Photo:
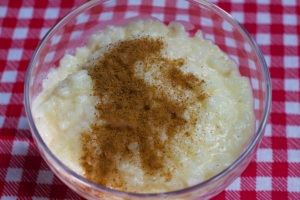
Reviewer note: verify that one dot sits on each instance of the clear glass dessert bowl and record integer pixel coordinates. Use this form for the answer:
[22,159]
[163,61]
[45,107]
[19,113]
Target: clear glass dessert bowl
[74,30]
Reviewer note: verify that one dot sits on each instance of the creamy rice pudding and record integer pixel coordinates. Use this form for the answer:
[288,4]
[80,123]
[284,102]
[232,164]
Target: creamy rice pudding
[145,108]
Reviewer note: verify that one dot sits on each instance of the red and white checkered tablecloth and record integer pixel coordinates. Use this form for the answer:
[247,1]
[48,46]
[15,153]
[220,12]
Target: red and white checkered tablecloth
[274,173]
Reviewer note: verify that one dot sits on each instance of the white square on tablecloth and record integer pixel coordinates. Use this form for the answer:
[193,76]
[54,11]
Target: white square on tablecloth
[3,11]
[5,98]
[291,61]
[1,121]
[289,2]
[20,148]
[210,37]
[23,123]
[266,2]
[105,16]
[159,3]
[291,85]
[292,108]
[239,16]
[130,14]
[256,104]
[134,2]
[293,131]
[235,185]
[51,13]
[230,42]
[75,34]
[43,32]
[14,54]
[268,130]
[49,56]
[206,22]
[9,76]
[25,13]
[182,4]
[226,26]
[235,58]
[264,155]
[159,16]
[293,155]
[55,39]
[263,18]
[20,33]
[9,198]
[268,60]
[289,19]
[182,17]
[40,198]
[251,64]
[45,177]
[82,18]
[111,3]
[254,82]
[263,183]
[290,39]
[263,39]
[247,47]
[237,1]
[293,184]
[14,174]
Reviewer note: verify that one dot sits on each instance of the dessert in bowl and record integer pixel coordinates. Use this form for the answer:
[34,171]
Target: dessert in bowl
[182,127]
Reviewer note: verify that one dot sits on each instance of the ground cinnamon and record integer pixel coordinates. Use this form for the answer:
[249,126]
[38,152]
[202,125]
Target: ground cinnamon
[133,114]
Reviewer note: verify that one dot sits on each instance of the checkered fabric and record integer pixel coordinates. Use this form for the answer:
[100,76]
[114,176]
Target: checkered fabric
[273,173]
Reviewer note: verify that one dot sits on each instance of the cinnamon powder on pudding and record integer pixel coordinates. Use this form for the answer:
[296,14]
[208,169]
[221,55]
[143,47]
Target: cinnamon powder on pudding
[135,120]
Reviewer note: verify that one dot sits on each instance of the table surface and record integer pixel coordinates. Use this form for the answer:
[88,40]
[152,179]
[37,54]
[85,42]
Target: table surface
[274,172]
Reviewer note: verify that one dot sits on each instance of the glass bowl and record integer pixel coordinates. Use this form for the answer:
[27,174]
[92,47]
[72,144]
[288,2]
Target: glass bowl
[73,30]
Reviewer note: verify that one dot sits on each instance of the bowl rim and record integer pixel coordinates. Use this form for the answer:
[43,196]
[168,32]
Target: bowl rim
[250,148]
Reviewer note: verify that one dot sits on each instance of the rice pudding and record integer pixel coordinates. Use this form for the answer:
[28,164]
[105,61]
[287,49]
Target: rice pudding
[144,108]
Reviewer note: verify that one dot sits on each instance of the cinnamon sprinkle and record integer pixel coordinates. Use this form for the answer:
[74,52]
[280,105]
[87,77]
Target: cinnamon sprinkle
[134,113]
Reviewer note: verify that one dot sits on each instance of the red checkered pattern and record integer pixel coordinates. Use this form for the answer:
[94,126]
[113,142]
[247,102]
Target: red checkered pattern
[273,173]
